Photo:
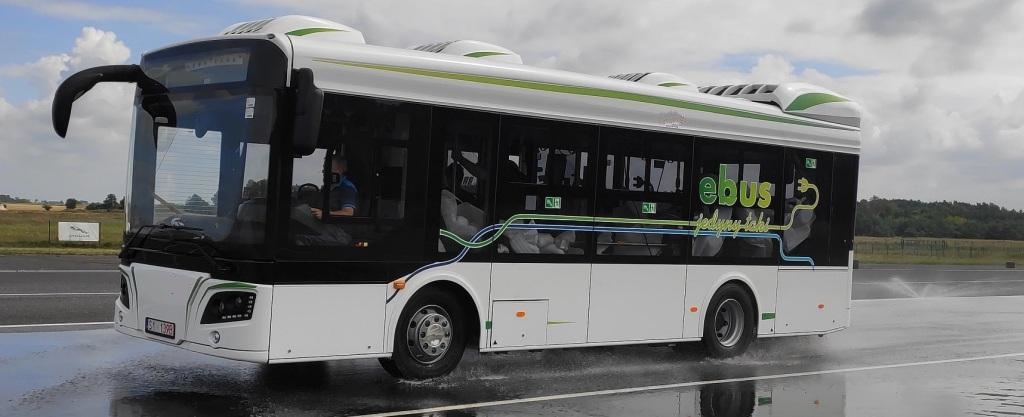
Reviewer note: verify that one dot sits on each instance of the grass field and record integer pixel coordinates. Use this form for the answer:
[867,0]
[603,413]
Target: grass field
[895,250]
[32,230]
[31,207]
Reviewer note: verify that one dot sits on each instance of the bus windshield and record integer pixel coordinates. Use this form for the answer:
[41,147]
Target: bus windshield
[201,149]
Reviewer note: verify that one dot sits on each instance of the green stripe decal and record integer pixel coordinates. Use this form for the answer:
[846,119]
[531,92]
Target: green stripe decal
[482,54]
[234,285]
[585,91]
[767,316]
[306,31]
[808,100]
[672,84]
[559,322]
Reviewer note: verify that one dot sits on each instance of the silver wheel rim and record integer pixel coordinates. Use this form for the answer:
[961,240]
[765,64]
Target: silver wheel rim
[429,334]
[729,322]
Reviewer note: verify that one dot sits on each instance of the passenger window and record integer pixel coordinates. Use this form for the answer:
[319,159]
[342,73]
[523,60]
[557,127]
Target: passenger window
[358,188]
[469,139]
[806,209]
[645,181]
[736,203]
[545,168]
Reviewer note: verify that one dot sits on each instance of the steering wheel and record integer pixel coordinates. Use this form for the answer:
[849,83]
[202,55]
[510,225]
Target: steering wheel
[305,196]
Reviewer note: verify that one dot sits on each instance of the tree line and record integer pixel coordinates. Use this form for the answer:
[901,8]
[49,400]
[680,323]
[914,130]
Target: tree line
[109,203]
[941,219]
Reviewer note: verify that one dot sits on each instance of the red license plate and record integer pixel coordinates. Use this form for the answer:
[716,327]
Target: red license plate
[160,327]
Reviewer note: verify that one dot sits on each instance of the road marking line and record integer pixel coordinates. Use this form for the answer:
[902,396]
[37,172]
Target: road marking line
[681,385]
[940,270]
[943,297]
[57,294]
[21,326]
[58,271]
[941,282]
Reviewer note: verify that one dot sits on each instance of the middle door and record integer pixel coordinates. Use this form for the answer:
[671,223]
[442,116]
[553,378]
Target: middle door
[638,276]
[544,201]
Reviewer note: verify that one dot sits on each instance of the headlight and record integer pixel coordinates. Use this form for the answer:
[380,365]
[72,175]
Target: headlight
[229,306]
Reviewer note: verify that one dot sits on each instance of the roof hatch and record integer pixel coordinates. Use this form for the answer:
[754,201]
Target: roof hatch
[800,99]
[295,25]
[473,49]
[659,79]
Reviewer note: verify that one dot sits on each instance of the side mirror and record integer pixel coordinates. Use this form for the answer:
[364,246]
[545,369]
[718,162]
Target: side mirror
[309,103]
[78,84]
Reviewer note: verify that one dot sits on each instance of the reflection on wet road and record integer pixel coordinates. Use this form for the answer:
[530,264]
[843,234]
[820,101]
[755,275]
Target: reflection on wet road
[99,372]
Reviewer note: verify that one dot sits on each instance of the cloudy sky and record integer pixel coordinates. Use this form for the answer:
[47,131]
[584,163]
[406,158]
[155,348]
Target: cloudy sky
[941,82]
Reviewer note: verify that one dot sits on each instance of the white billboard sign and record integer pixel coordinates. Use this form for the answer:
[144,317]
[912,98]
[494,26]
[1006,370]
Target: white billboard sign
[78,232]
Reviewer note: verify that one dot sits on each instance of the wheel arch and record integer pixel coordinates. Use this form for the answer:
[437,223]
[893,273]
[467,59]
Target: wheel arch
[745,284]
[454,285]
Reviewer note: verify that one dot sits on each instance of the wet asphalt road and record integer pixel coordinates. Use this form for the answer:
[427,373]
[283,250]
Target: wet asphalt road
[938,353]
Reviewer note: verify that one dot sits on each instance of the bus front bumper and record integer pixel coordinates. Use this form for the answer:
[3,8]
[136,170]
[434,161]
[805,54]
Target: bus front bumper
[256,356]
[174,304]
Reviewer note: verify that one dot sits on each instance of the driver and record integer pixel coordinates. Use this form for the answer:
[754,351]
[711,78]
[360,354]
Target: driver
[344,199]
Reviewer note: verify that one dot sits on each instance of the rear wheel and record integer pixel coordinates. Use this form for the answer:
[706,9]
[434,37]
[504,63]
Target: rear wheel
[430,337]
[730,323]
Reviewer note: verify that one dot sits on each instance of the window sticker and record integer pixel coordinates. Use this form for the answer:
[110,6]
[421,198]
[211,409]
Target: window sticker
[648,208]
[553,203]
[810,163]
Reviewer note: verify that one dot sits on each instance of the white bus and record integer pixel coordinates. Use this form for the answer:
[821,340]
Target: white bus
[298,195]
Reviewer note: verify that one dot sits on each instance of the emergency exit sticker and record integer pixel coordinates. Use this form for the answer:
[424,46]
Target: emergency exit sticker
[553,202]
[648,208]
[810,163]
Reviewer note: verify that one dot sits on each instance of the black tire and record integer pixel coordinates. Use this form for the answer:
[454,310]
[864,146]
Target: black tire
[445,319]
[727,400]
[730,306]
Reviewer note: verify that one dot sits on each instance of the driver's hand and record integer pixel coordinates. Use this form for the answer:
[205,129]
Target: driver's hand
[317,213]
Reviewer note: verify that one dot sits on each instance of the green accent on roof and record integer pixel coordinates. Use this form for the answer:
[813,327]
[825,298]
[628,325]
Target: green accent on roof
[235,285]
[808,100]
[487,325]
[306,31]
[482,54]
[560,322]
[672,84]
[767,316]
[586,91]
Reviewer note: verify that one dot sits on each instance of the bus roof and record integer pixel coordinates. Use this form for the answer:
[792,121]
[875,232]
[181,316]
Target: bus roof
[482,76]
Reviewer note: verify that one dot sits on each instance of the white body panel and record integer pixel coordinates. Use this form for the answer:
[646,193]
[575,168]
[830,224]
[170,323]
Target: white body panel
[519,324]
[636,302]
[813,300]
[316,321]
[566,287]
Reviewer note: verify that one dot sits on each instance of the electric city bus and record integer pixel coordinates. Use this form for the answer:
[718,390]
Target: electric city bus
[295,194]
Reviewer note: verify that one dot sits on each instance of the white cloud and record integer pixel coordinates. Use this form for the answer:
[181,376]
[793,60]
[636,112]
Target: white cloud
[91,162]
[940,82]
[81,10]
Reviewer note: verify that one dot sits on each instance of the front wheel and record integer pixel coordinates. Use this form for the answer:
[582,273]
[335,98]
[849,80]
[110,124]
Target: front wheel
[430,337]
[730,323]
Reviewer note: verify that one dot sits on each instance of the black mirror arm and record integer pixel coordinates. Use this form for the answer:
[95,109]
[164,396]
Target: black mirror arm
[81,82]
